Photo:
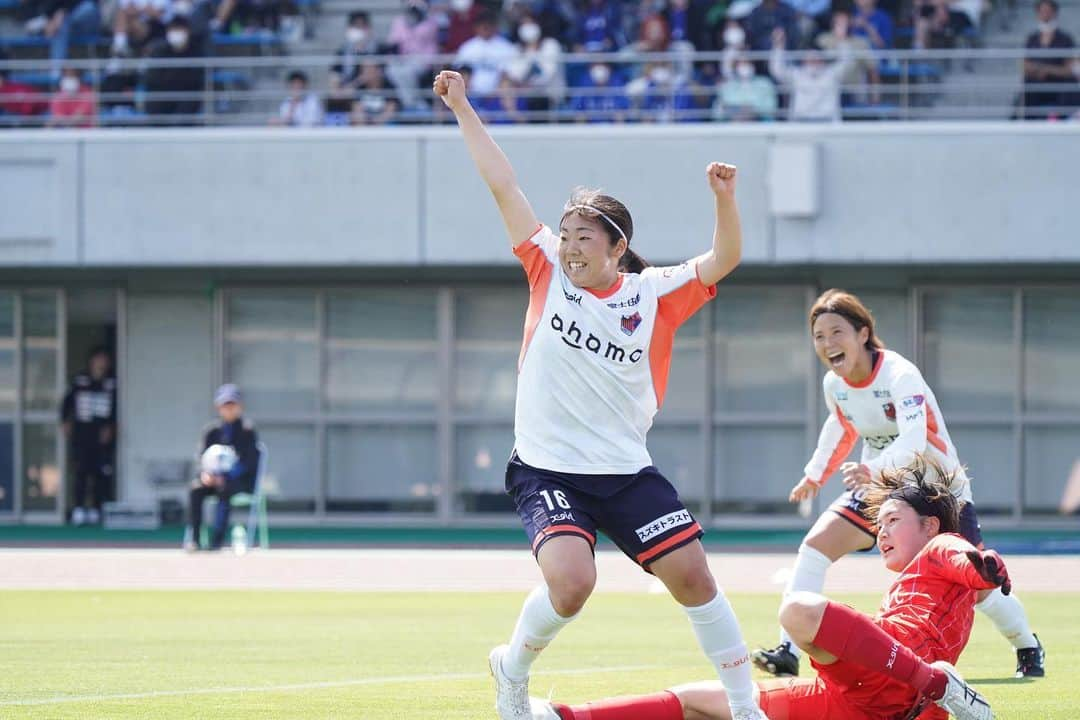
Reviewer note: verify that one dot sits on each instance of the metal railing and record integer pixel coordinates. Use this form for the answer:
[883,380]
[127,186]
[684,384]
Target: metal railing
[967,84]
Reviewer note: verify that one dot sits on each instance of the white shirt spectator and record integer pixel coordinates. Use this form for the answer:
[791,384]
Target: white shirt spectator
[815,87]
[488,58]
[305,111]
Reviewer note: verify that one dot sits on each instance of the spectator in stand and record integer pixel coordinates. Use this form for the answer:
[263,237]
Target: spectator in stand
[537,71]
[599,27]
[688,22]
[1061,71]
[18,99]
[557,19]
[733,42]
[939,23]
[815,84]
[188,79]
[345,74]
[251,16]
[664,95]
[746,96]
[766,18]
[137,22]
[873,24]
[74,104]
[302,108]
[600,96]
[460,25]
[811,17]
[62,20]
[414,35]
[487,55]
[376,98]
[860,83]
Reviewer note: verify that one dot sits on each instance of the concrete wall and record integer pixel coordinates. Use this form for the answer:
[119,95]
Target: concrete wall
[923,193]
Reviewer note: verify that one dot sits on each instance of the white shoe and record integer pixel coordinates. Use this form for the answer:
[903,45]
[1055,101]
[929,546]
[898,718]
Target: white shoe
[753,713]
[93,517]
[511,697]
[961,700]
[542,710]
[78,516]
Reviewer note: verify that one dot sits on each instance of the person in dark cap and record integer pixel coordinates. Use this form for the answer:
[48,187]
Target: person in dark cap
[232,430]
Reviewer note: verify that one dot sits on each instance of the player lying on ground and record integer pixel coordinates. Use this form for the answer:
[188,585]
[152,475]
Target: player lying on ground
[877,395]
[893,665]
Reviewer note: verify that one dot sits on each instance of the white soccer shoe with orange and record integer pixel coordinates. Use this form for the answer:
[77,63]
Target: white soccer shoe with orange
[961,700]
[511,697]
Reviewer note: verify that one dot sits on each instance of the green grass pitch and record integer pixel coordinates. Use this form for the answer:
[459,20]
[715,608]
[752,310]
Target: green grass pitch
[412,656]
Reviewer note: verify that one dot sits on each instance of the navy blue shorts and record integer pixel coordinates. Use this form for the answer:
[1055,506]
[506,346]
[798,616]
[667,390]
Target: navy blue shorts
[851,507]
[641,513]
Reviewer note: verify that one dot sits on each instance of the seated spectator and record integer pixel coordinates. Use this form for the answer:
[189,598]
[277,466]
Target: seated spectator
[232,430]
[733,44]
[18,99]
[414,35]
[815,84]
[692,21]
[873,24]
[537,71]
[664,95]
[74,104]
[860,82]
[302,108]
[460,24]
[599,27]
[765,19]
[939,23]
[654,35]
[137,22]
[487,55]
[600,96]
[376,101]
[1051,73]
[118,104]
[62,20]
[345,73]
[557,19]
[187,79]
[746,96]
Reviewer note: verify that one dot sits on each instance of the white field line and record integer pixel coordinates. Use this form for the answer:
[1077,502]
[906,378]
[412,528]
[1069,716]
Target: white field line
[389,680]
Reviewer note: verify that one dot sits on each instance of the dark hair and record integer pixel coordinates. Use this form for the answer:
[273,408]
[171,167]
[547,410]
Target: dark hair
[1051,3]
[179,21]
[485,17]
[359,15]
[99,350]
[611,214]
[851,308]
[924,485]
[297,75]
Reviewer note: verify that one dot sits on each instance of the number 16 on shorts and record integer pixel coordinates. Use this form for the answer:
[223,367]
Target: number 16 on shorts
[555,498]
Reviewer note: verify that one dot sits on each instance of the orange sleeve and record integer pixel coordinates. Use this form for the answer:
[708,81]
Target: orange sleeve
[533,259]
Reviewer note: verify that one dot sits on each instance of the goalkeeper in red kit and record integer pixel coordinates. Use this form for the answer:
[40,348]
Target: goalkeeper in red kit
[894,665]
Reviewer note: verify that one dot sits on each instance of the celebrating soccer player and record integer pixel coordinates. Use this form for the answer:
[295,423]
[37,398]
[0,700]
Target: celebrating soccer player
[593,368]
[876,394]
[895,664]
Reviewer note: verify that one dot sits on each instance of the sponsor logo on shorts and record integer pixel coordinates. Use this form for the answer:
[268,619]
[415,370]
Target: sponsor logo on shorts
[561,517]
[913,401]
[661,525]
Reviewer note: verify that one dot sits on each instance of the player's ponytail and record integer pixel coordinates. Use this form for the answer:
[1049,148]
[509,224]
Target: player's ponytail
[851,308]
[613,216]
[924,485]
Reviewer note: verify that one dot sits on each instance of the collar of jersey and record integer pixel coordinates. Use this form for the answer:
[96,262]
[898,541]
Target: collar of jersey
[604,294]
[873,373]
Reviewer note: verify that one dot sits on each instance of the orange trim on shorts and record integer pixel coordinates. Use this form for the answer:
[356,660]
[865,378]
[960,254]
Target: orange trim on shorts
[672,541]
[855,519]
[561,530]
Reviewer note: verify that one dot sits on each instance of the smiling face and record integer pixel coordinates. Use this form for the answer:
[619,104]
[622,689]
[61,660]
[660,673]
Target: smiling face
[586,253]
[839,346]
[902,533]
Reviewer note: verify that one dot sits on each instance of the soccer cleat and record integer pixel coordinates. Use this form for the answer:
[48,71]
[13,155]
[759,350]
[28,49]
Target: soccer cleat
[779,661]
[960,699]
[1029,661]
[542,710]
[511,697]
[752,713]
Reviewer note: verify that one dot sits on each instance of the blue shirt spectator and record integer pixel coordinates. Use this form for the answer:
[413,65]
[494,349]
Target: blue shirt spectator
[667,97]
[606,103]
[767,17]
[873,24]
[600,27]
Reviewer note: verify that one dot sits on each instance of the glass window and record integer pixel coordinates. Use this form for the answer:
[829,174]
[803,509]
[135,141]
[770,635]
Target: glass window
[969,356]
[289,479]
[381,468]
[381,351]
[40,352]
[41,473]
[489,324]
[685,395]
[756,467]
[272,350]
[1051,350]
[677,452]
[762,347]
[892,318]
[481,453]
[1052,469]
[7,355]
[7,466]
[991,462]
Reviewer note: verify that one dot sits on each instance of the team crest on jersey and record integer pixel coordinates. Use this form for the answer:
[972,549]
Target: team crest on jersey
[630,323]
[890,411]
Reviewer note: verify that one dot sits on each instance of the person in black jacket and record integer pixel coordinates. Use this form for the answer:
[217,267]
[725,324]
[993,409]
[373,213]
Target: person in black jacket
[235,431]
[88,416]
[191,80]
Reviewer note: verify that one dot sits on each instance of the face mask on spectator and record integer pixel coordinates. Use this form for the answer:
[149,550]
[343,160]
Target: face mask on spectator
[745,71]
[356,35]
[660,75]
[461,6]
[734,36]
[600,74]
[176,38]
[181,7]
[1048,27]
[69,84]
[529,32]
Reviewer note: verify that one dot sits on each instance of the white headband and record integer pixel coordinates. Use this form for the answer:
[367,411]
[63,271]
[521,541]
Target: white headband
[610,221]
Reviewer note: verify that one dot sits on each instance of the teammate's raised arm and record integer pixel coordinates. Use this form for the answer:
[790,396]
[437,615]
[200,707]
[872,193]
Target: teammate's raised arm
[726,251]
[495,169]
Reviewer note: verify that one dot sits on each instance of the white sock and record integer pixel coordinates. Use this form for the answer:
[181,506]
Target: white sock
[719,635]
[808,575]
[1009,618]
[537,626]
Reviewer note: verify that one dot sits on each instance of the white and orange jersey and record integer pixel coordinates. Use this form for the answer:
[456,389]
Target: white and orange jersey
[594,365]
[895,413]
